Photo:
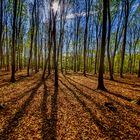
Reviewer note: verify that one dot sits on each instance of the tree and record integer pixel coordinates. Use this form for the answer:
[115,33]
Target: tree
[55,57]
[117,38]
[126,10]
[32,37]
[47,60]
[88,7]
[13,40]
[103,43]
[108,40]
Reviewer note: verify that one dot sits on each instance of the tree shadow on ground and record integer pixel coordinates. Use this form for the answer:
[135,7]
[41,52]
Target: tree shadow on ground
[115,94]
[118,95]
[6,82]
[89,76]
[21,93]
[17,98]
[49,124]
[46,122]
[109,98]
[131,84]
[14,121]
[132,89]
[4,74]
[78,83]
[101,125]
[101,108]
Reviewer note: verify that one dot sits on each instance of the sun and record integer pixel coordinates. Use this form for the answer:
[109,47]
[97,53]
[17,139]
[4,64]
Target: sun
[55,6]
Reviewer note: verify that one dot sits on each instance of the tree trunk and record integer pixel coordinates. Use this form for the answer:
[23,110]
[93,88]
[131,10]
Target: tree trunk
[7,48]
[32,36]
[55,51]
[85,46]
[124,38]
[103,42]
[13,41]
[86,34]
[108,41]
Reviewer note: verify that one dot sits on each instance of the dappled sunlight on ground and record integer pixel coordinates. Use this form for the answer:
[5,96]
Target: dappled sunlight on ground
[75,110]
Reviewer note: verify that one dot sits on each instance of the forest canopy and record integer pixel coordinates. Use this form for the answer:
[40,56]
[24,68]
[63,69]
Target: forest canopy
[70,35]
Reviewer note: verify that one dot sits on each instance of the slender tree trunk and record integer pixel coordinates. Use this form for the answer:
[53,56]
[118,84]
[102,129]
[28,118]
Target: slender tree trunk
[13,41]
[86,34]
[103,43]
[134,60]
[55,51]
[32,37]
[108,41]
[85,46]
[25,57]
[129,69]
[7,48]
[96,54]
[36,37]
[21,54]
[47,59]
[49,45]
[124,38]
[35,51]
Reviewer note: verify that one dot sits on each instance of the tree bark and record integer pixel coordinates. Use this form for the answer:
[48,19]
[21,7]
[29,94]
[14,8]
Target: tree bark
[54,49]
[32,36]
[124,38]
[108,41]
[103,43]
[13,41]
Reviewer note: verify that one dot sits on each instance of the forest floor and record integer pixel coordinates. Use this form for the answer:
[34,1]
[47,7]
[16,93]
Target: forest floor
[75,110]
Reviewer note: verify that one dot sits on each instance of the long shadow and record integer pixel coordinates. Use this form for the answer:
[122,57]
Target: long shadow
[18,79]
[24,93]
[125,87]
[15,99]
[25,86]
[101,107]
[4,74]
[14,121]
[76,74]
[120,96]
[134,85]
[122,82]
[117,95]
[111,93]
[109,84]
[49,124]
[46,121]
[93,117]
[54,107]
[131,109]
[78,83]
